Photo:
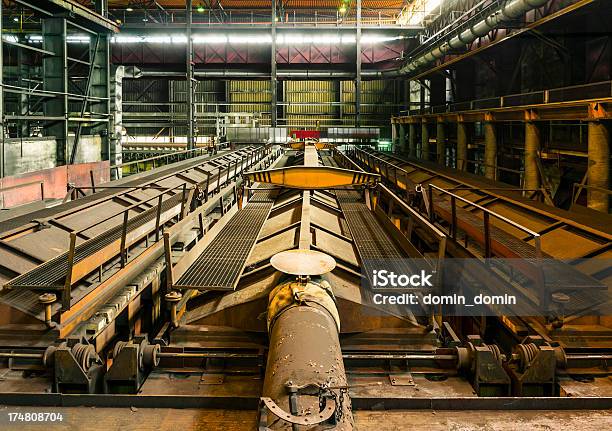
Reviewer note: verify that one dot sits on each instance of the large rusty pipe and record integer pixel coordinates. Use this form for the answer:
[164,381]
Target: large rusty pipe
[599,165]
[532,146]
[490,135]
[305,350]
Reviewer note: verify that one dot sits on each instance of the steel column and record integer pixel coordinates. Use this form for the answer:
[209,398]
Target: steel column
[441,142]
[1,100]
[273,69]
[190,78]
[490,158]
[402,138]
[412,139]
[532,146]
[358,66]
[424,141]
[599,165]
[462,138]
[55,68]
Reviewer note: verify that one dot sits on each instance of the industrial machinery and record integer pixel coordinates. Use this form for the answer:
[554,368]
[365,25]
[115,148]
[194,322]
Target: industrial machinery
[239,280]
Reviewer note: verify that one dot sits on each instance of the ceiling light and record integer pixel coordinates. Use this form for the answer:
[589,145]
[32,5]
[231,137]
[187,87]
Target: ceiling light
[200,9]
[129,9]
[16,19]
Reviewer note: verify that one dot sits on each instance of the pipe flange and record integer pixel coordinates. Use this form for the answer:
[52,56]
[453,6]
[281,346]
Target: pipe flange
[173,296]
[312,419]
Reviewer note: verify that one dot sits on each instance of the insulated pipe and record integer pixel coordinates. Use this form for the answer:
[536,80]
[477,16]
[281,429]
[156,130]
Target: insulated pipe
[462,138]
[424,141]
[490,159]
[303,324]
[532,146]
[599,166]
[511,10]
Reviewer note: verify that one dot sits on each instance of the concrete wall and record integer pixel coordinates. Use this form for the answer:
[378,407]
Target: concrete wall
[90,148]
[28,155]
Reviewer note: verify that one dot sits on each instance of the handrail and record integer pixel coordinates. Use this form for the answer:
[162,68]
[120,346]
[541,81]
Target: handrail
[486,226]
[500,101]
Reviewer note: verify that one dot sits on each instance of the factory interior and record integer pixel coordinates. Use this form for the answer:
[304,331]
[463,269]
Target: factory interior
[268,214]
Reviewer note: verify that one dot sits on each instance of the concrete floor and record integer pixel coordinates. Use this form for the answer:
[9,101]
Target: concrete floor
[108,419]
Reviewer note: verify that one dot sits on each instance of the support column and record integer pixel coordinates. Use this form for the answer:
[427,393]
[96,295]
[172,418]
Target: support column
[462,143]
[1,102]
[55,68]
[358,67]
[599,165]
[273,71]
[441,142]
[402,138]
[412,135]
[394,138]
[490,159]
[532,146]
[116,141]
[190,79]
[424,140]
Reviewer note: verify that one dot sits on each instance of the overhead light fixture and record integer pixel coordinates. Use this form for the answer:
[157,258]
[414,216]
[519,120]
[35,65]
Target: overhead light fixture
[200,9]
[129,9]
[16,19]
[342,9]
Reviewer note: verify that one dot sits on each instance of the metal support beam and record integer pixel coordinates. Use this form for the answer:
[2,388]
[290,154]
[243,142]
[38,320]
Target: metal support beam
[273,77]
[1,101]
[599,166]
[462,143]
[55,68]
[532,147]
[402,138]
[358,66]
[424,141]
[412,136]
[490,158]
[190,79]
[441,142]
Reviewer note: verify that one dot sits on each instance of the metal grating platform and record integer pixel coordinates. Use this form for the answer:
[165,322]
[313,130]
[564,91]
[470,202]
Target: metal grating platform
[50,273]
[220,265]
[373,243]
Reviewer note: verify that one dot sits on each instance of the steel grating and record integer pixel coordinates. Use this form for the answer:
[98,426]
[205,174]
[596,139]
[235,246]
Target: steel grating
[221,263]
[372,242]
[48,274]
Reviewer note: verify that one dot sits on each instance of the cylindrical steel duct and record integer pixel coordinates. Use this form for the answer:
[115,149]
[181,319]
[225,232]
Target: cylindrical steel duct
[511,10]
[305,356]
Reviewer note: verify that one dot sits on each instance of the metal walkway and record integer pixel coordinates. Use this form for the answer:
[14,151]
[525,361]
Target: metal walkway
[47,275]
[220,265]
